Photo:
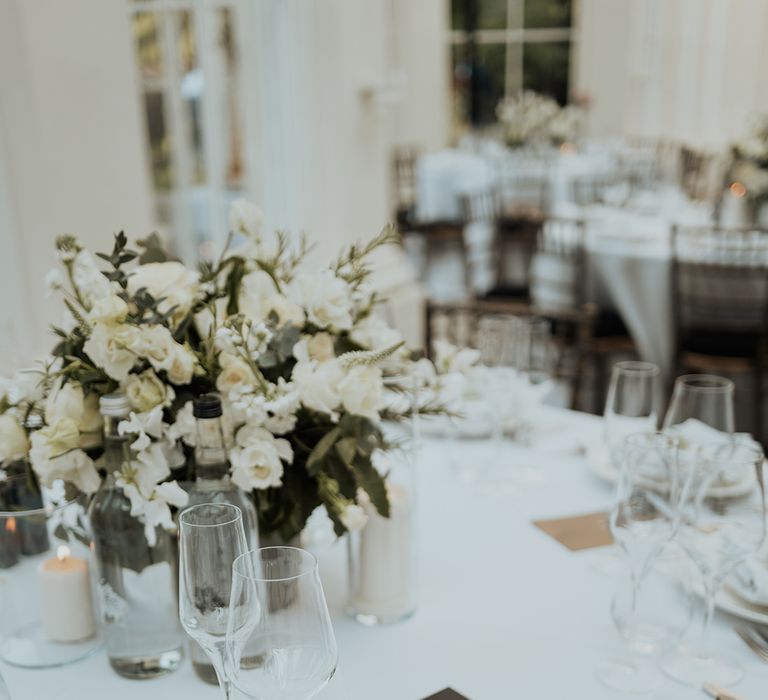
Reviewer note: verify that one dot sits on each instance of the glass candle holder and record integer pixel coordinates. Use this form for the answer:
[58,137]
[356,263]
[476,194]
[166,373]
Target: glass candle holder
[47,616]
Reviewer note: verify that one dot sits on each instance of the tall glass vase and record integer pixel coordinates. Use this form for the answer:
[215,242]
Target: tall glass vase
[382,556]
[137,578]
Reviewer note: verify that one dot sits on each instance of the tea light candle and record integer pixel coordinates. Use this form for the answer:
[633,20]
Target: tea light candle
[734,208]
[66,608]
[385,582]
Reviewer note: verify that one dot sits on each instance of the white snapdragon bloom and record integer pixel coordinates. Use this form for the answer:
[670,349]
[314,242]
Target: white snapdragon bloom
[374,333]
[172,282]
[108,309]
[89,280]
[353,517]
[449,358]
[147,390]
[151,500]
[111,346]
[143,426]
[362,391]
[326,298]
[56,454]
[258,297]
[13,438]
[184,428]
[250,337]
[257,458]
[246,218]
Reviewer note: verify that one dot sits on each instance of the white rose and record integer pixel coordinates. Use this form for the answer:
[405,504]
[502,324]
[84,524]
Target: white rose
[316,384]
[66,400]
[173,282]
[326,298]
[246,218]
[353,517]
[110,348]
[257,459]
[108,309]
[235,372]
[55,454]
[375,334]
[13,439]
[180,364]
[362,391]
[258,297]
[154,342]
[146,390]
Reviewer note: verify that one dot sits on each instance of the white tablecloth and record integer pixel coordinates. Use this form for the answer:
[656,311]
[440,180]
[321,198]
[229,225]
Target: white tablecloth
[505,612]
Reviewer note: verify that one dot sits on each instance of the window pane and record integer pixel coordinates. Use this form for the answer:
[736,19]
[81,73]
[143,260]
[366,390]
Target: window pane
[459,14]
[545,69]
[159,145]
[491,14]
[547,13]
[146,36]
[488,81]
[232,123]
[460,80]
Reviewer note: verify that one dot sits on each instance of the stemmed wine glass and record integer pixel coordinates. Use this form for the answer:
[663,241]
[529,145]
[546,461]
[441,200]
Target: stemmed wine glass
[280,642]
[697,399]
[643,520]
[631,406]
[211,537]
[723,523]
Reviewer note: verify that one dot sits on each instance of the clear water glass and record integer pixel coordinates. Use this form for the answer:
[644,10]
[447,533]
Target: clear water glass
[643,520]
[701,398]
[280,642]
[723,523]
[631,406]
[211,537]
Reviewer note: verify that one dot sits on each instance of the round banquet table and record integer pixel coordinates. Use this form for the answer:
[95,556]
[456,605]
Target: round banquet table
[505,611]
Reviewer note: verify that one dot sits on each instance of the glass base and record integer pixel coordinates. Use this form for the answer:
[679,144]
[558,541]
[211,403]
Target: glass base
[141,667]
[206,672]
[28,647]
[373,619]
[690,668]
[629,676]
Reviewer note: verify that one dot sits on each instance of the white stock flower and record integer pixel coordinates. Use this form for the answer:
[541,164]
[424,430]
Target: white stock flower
[449,358]
[147,390]
[13,438]
[374,333]
[353,517]
[257,458]
[326,299]
[108,309]
[144,426]
[362,391]
[55,454]
[173,282]
[258,297]
[89,280]
[246,218]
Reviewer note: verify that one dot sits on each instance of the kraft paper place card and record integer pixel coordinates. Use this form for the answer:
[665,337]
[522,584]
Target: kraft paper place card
[447,694]
[579,531]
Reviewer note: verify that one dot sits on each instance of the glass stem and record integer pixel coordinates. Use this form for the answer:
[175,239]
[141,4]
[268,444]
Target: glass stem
[218,664]
[710,589]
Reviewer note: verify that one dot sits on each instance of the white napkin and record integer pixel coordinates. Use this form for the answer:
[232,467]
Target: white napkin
[694,433]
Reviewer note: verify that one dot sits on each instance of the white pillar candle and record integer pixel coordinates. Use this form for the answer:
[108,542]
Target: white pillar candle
[66,607]
[384,584]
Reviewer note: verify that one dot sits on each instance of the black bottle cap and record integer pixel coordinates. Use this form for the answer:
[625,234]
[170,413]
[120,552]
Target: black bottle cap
[207,406]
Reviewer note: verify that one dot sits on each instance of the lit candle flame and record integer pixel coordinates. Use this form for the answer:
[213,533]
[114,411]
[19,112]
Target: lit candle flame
[62,552]
[738,190]
[10,525]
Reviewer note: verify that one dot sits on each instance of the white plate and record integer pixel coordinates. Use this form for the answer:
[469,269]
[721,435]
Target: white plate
[729,601]
[601,466]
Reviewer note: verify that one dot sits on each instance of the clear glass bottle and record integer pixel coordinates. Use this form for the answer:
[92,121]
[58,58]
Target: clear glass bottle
[213,485]
[137,582]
